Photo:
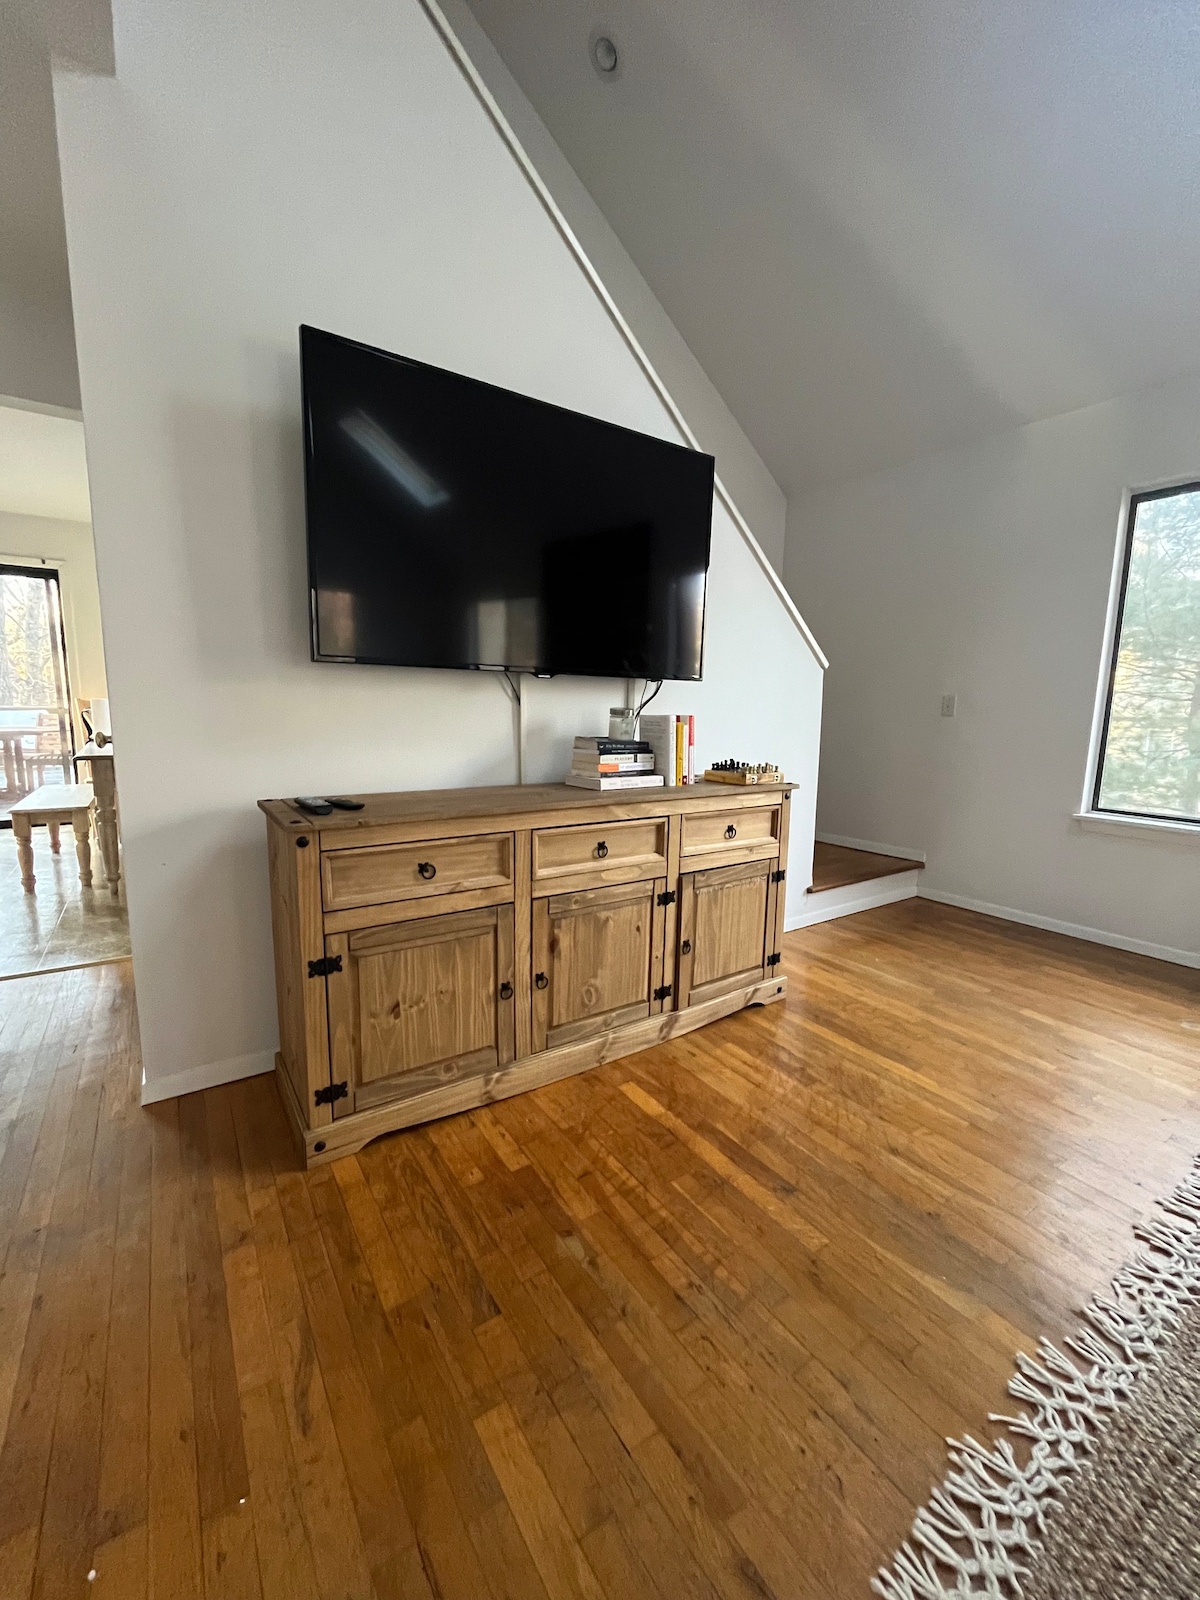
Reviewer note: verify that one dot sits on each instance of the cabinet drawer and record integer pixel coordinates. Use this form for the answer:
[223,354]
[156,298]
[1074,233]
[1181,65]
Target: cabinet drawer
[609,852]
[377,874]
[748,834]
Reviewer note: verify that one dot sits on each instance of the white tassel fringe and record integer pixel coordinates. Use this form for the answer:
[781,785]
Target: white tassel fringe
[981,1526]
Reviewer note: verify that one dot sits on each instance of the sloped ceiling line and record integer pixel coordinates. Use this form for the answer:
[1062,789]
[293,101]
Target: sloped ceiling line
[534,178]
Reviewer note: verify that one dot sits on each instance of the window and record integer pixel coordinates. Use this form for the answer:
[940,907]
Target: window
[1149,762]
[35,718]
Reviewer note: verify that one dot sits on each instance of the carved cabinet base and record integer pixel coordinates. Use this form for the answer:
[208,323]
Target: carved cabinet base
[436,951]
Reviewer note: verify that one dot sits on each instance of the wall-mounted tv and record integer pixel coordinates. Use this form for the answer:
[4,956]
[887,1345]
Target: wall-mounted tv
[454,524]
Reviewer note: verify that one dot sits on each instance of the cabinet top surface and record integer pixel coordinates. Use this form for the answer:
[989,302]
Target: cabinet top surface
[435,805]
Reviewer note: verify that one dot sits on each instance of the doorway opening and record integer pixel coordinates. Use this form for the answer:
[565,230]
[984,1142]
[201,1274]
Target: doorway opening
[62,901]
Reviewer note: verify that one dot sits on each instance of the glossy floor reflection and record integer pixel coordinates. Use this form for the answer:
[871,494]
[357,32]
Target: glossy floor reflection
[62,924]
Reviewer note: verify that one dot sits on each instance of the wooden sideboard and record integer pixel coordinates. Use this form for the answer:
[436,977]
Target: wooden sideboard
[442,949]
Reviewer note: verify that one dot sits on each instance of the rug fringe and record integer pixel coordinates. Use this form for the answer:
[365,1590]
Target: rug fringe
[982,1525]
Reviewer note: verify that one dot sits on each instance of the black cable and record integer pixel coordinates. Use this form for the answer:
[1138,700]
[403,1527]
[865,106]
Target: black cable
[646,697]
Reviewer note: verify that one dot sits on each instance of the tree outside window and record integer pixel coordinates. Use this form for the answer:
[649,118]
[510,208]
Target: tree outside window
[1150,753]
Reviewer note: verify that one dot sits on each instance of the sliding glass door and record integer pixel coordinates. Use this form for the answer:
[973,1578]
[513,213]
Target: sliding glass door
[35,698]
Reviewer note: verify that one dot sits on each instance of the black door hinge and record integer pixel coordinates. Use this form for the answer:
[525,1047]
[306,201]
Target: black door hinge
[334,1091]
[667,897]
[663,993]
[779,876]
[324,965]
[773,961]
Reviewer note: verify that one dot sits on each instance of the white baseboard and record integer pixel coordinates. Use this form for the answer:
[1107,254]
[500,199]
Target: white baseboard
[869,844]
[207,1076]
[1074,930]
[851,897]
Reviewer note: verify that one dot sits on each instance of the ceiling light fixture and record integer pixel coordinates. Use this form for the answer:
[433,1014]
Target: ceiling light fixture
[605,56]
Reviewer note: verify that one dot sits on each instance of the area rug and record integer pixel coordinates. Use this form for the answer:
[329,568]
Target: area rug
[1094,1489]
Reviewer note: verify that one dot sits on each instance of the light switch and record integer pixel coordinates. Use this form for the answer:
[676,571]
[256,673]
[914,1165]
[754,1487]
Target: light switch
[949,705]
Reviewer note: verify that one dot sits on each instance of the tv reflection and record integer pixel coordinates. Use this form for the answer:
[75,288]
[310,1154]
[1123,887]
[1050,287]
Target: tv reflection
[389,454]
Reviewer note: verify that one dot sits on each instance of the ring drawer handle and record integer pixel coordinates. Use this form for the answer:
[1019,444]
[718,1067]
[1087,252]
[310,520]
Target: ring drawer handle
[731,832]
[427,869]
[602,849]
[541,980]
[686,947]
[506,991]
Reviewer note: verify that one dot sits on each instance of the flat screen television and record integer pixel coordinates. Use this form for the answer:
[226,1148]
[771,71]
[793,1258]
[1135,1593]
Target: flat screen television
[454,524]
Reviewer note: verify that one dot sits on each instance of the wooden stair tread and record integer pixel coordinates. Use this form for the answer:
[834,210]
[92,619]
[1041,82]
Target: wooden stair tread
[836,865]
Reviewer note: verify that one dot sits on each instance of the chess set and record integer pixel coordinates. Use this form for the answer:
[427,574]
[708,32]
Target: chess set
[743,772]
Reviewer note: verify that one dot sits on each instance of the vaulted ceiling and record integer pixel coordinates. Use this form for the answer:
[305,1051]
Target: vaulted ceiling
[888,228]
[37,342]
[33,247]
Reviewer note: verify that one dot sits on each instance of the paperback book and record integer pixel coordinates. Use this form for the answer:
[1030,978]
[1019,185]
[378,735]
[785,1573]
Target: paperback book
[620,780]
[672,738]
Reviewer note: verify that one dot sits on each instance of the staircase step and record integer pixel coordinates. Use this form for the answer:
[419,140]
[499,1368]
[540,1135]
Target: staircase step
[836,865]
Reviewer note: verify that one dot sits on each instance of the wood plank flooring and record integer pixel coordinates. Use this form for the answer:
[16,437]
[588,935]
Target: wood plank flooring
[690,1326]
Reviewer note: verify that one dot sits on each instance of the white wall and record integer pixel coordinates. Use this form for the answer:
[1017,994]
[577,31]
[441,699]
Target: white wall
[985,572]
[67,546]
[252,168]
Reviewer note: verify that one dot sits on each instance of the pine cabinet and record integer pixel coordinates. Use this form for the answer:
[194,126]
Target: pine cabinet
[726,932]
[437,951]
[414,1004]
[597,958]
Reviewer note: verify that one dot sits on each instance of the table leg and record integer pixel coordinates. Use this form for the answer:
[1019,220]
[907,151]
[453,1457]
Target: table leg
[55,837]
[106,822]
[20,827]
[80,824]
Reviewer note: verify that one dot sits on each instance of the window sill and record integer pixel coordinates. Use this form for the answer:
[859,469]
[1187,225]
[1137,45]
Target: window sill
[1159,828]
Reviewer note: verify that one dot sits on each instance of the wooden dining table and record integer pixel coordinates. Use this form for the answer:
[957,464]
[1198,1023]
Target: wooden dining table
[104,782]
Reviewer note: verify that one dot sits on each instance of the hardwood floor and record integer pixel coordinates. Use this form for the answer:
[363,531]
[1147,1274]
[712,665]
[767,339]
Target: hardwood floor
[835,866]
[691,1325]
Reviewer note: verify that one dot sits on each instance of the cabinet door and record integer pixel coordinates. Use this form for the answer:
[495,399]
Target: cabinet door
[723,933]
[420,1003]
[597,960]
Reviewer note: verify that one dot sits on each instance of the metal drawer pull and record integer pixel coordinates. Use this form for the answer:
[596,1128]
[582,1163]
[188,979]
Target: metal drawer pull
[686,947]
[602,849]
[427,869]
[541,980]
[506,991]
[731,832]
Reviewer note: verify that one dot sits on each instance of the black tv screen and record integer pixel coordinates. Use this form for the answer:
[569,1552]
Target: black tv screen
[454,524]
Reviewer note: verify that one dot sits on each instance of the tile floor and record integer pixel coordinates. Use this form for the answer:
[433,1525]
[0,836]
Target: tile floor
[62,924]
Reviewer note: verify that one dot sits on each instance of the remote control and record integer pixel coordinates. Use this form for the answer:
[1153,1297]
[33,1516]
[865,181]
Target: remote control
[343,804]
[314,804]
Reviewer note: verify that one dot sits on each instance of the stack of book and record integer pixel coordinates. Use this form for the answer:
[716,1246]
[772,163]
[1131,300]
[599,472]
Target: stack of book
[673,740]
[600,763]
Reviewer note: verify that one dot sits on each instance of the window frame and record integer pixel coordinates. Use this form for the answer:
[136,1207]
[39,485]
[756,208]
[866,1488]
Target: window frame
[1093,810]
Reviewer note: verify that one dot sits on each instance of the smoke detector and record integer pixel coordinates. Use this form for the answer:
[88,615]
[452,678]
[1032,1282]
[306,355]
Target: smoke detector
[604,54]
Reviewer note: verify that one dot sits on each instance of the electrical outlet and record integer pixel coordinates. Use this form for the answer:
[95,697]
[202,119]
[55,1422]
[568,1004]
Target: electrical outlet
[949,705]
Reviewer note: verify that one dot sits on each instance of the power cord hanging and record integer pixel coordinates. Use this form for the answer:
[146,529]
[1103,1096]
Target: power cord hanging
[646,695]
[513,690]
